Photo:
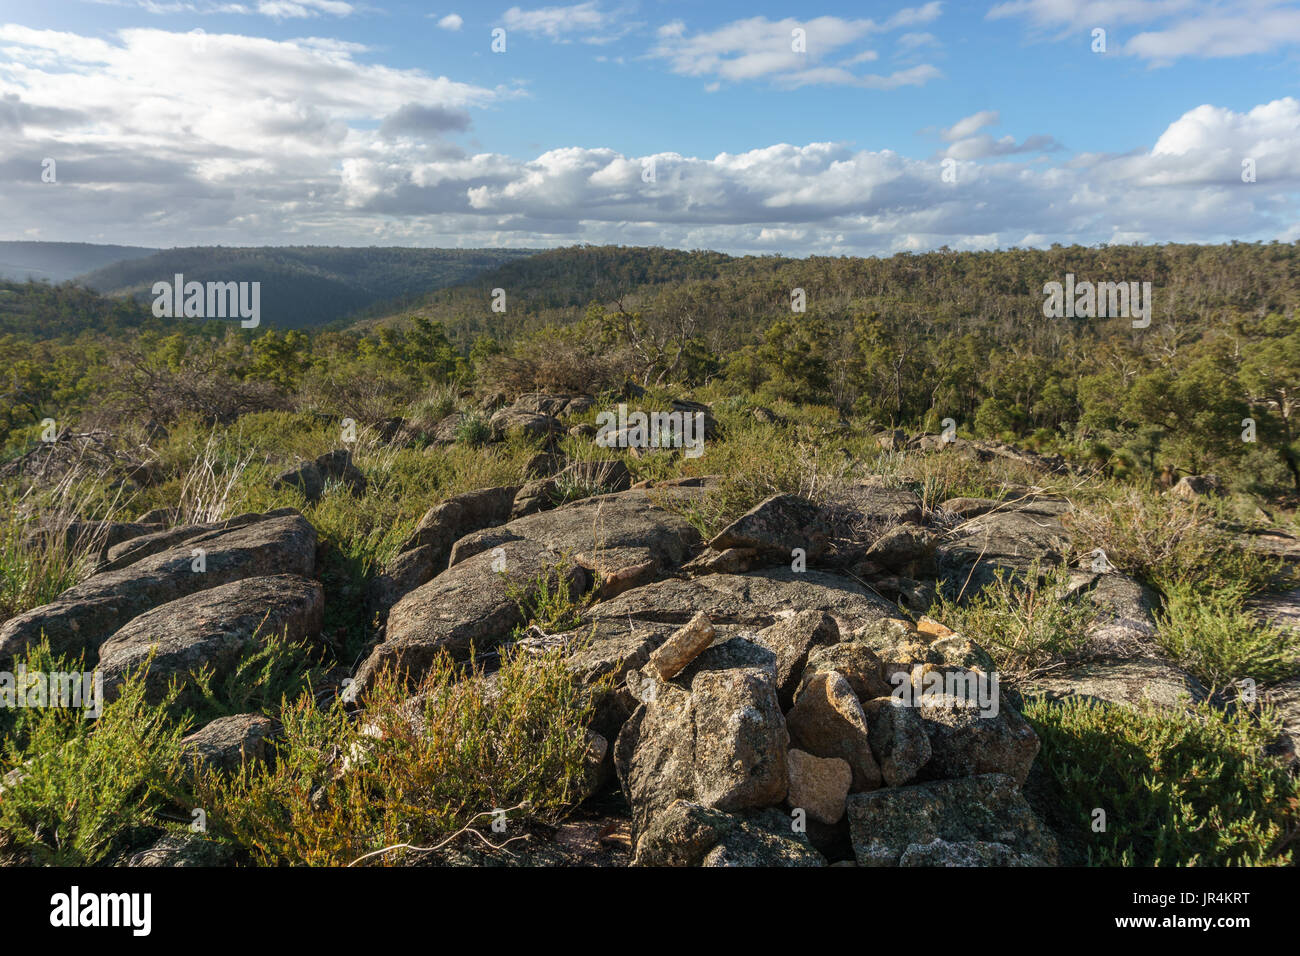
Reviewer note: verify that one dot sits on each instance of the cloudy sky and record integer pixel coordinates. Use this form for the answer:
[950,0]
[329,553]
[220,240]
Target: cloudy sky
[816,127]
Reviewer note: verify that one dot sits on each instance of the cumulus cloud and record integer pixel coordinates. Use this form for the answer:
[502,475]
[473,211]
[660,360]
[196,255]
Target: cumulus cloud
[452,21]
[585,21]
[789,52]
[165,147]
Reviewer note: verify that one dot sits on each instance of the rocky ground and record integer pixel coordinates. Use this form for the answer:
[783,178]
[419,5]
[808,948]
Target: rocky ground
[751,687]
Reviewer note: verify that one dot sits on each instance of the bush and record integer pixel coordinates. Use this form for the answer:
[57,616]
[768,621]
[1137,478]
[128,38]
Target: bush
[1177,789]
[418,770]
[1215,637]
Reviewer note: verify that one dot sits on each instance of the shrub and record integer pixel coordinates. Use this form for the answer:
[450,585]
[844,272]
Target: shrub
[1219,640]
[1177,789]
[418,770]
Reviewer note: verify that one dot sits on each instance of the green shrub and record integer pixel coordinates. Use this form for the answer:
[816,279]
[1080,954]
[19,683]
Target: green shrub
[1219,640]
[414,773]
[1177,789]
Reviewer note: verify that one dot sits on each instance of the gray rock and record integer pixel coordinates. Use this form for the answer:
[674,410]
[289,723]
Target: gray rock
[227,743]
[898,739]
[688,834]
[886,824]
[214,627]
[1126,682]
[84,616]
[827,721]
[778,525]
[188,849]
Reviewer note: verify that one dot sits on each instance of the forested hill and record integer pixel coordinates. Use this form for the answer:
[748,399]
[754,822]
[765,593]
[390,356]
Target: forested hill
[724,299]
[306,286]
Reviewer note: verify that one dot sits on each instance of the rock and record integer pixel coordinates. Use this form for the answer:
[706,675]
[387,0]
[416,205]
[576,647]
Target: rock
[905,549]
[84,616]
[404,574]
[96,537]
[886,824]
[183,849]
[968,853]
[965,740]
[445,432]
[1192,487]
[740,739]
[512,421]
[1286,698]
[818,785]
[456,517]
[683,647]
[581,479]
[777,525]
[730,561]
[898,739]
[892,440]
[875,506]
[1125,624]
[471,605]
[227,743]
[767,416]
[624,540]
[655,754]
[827,721]
[311,477]
[133,549]
[215,627]
[1126,682]
[791,640]
[1013,541]
[857,662]
[688,834]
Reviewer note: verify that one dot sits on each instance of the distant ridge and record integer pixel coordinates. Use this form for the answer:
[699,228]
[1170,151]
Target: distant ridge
[61,261]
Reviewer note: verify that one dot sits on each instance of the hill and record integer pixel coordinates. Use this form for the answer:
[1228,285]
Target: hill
[306,286]
[61,261]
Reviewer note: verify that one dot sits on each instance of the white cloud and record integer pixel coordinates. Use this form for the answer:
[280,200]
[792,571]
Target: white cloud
[263,141]
[758,48]
[452,21]
[558,23]
[1178,28]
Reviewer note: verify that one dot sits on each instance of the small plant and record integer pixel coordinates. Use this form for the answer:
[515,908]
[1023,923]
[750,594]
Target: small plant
[1219,640]
[417,771]
[1025,623]
[278,668]
[79,785]
[473,430]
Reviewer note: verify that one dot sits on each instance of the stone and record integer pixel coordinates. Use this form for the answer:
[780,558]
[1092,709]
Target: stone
[856,661]
[818,785]
[989,808]
[898,739]
[213,628]
[779,524]
[966,741]
[84,616]
[791,640]
[683,647]
[689,834]
[740,739]
[827,721]
[1125,682]
[227,743]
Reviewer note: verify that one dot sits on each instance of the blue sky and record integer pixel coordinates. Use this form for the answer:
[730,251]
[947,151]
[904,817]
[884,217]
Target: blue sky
[897,126]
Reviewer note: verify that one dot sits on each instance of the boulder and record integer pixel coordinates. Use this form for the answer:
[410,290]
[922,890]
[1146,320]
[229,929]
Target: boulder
[898,739]
[966,740]
[886,824]
[311,477]
[827,721]
[513,421]
[227,743]
[84,616]
[778,525]
[689,834]
[1011,541]
[818,785]
[1192,487]
[1127,682]
[791,640]
[215,627]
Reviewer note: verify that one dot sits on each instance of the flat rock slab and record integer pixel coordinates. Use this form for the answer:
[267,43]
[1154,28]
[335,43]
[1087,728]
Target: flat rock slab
[625,539]
[215,627]
[1126,682]
[83,617]
[1011,540]
[471,605]
[227,743]
[890,824]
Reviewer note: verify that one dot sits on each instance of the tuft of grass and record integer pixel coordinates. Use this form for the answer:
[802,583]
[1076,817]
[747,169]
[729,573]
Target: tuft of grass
[276,670]
[418,769]
[473,430]
[1023,624]
[1165,541]
[1177,789]
[1216,637]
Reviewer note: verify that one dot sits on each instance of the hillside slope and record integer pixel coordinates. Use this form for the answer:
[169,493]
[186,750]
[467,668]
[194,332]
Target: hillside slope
[306,286]
[61,261]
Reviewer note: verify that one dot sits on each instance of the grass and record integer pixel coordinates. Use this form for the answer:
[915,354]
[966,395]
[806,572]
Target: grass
[1187,790]
[1024,624]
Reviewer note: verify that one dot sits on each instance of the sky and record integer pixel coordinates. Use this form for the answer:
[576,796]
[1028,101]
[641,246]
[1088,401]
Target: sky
[808,128]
